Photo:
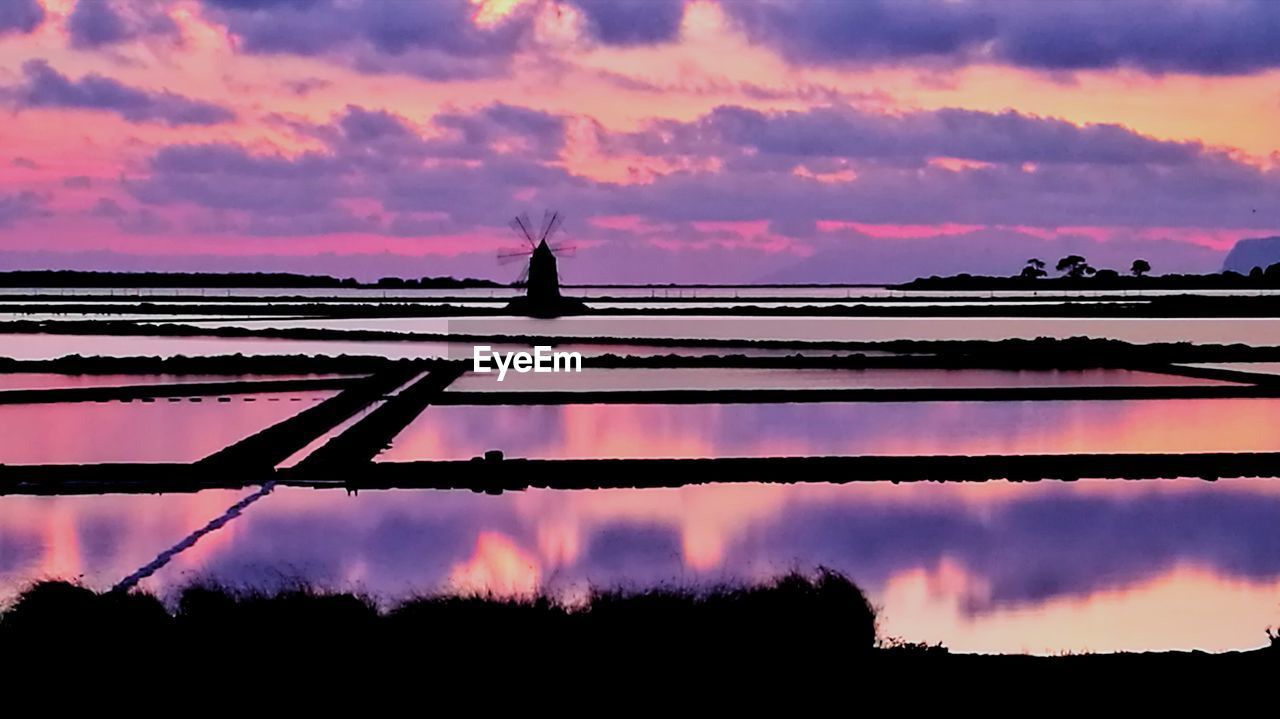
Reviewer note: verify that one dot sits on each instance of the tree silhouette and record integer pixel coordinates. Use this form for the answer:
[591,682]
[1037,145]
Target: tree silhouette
[1074,266]
[1034,269]
[1140,268]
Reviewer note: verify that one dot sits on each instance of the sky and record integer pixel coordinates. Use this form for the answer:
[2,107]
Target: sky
[684,140]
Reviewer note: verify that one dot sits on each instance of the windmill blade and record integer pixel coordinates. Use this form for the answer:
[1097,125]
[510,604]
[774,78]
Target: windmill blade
[524,229]
[547,217]
[518,228]
[563,249]
[551,222]
[522,252]
[507,257]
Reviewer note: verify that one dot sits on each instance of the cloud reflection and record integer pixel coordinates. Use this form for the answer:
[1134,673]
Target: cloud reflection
[991,566]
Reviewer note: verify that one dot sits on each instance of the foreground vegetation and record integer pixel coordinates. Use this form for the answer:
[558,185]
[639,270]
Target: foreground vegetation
[793,615]
[818,624]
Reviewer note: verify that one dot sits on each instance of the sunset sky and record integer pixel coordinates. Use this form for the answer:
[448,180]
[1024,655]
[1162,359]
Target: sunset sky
[686,140]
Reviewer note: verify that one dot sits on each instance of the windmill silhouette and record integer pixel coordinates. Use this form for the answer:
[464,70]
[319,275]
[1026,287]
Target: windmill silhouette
[540,276]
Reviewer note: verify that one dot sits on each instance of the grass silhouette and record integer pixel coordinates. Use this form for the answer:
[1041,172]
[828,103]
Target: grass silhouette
[795,615]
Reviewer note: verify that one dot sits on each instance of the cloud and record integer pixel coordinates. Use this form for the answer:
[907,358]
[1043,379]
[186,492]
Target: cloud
[20,206]
[1214,193]
[363,126]
[465,165]
[20,16]
[132,221]
[25,163]
[435,40]
[305,86]
[463,171]
[99,23]
[841,131]
[1154,36]
[838,163]
[1034,549]
[45,87]
[519,129]
[632,22]
[106,207]
[226,176]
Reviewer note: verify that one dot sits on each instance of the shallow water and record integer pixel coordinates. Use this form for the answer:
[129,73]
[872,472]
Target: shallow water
[708,378]
[52,346]
[47,380]
[590,431]
[118,317]
[1257,367]
[159,431]
[1042,567]
[1254,331]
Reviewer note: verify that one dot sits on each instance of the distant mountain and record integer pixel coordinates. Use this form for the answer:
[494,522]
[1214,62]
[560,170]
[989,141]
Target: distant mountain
[1251,253]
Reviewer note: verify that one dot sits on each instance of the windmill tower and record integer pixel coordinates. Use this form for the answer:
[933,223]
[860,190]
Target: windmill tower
[540,276]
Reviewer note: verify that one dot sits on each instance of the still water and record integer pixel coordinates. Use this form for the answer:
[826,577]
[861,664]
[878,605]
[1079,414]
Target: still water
[1042,567]
[159,431]
[48,380]
[36,346]
[592,431]
[709,378]
[1254,331]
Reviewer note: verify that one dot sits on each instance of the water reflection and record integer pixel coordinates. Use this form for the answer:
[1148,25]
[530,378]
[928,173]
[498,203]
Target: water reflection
[840,428]
[1255,331]
[1051,566]
[49,380]
[159,431]
[590,379]
[97,539]
[36,346]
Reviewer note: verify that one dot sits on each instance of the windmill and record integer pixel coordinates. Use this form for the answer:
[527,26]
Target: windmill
[540,278]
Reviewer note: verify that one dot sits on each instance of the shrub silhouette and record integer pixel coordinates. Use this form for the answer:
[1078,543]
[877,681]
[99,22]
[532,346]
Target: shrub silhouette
[797,615]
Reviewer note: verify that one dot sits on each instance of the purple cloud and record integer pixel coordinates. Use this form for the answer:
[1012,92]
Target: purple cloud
[455,180]
[458,175]
[1155,36]
[45,87]
[100,23]
[20,16]
[362,126]
[632,22]
[20,206]
[541,134]
[229,177]
[845,132]
[436,40]
[1212,192]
